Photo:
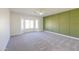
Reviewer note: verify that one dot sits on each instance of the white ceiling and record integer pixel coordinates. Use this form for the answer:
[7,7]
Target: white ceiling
[34,11]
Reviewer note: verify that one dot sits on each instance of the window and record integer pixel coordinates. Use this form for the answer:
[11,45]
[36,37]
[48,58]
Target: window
[22,24]
[29,24]
[36,24]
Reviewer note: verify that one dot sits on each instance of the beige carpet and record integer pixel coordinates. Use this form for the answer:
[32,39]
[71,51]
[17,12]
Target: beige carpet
[42,41]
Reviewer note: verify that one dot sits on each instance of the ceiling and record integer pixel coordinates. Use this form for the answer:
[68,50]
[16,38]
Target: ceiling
[35,11]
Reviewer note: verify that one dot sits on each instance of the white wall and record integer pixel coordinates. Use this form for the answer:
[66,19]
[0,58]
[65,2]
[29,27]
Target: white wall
[4,28]
[16,23]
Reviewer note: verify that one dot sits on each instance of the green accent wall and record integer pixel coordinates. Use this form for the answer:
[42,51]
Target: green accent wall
[64,23]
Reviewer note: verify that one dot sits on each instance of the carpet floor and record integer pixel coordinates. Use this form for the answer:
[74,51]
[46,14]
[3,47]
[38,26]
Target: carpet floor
[42,41]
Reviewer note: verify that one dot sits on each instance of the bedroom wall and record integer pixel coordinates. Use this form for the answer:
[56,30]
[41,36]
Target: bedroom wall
[4,28]
[16,23]
[66,23]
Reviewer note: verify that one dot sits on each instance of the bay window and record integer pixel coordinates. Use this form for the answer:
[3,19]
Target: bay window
[29,24]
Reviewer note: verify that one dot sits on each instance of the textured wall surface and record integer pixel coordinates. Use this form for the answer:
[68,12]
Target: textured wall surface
[65,23]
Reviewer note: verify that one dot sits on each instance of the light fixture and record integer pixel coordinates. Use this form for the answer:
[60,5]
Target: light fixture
[41,13]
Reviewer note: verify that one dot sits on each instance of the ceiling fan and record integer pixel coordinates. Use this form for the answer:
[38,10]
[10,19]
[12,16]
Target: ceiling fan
[39,11]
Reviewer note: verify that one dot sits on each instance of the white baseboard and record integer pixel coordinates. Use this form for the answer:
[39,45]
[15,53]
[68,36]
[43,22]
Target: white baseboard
[63,35]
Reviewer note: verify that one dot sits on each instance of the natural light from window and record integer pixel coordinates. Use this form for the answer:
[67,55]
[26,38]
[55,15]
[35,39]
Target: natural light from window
[36,24]
[29,24]
[22,24]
